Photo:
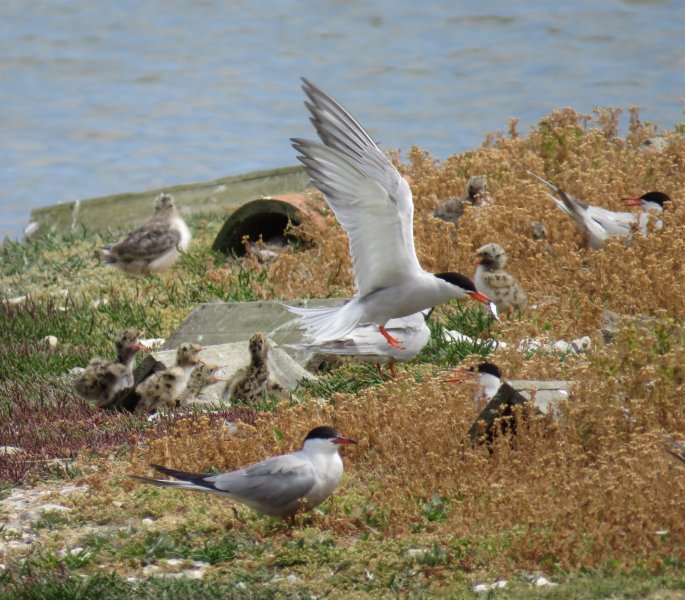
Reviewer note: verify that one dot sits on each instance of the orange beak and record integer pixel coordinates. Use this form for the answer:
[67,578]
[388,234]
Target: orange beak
[343,441]
[482,298]
[633,202]
[460,375]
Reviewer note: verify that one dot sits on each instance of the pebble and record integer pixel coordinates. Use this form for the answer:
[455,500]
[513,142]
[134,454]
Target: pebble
[486,587]
[152,343]
[76,371]
[10,450]
[542,582]
[50,341]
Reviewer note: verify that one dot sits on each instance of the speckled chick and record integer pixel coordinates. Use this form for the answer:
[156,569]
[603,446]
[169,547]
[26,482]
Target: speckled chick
[154,246]
[102,379]
[162,389]
[492,280]
[451,210]
[202,376]
[249,384]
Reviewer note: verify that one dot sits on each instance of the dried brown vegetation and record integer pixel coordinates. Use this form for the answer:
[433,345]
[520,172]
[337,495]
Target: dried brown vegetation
[592,489]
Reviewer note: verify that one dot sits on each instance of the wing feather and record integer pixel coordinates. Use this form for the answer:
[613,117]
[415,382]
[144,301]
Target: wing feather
[339,130]
[366,212]
[148,242]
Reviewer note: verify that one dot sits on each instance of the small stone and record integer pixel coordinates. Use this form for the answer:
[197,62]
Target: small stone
[16,300]
[10,450]
[147,522]
[542,582]
[414,552]
[174,562]
[292,578]
[75,371]
[486,587]
[50,341]
[241,585]
[152,343]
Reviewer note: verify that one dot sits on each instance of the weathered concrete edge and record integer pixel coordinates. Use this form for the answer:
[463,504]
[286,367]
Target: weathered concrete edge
[131,209]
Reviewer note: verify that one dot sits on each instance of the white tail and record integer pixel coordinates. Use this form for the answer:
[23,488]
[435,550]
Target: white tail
[328,324]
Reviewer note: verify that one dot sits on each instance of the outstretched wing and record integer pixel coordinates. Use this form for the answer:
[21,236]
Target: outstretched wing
[340,131]
[367,213]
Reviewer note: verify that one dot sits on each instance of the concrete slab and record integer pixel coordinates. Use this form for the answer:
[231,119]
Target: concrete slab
[225,322]
[125,211]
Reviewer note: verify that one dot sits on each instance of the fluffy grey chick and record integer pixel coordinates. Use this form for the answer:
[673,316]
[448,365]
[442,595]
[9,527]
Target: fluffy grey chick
[249,384]
[162,389]
[492,280]
[451,210]
[155,245]
[102,379]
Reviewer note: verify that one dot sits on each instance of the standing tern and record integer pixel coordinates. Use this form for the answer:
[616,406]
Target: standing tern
[491,279]
[373,203]
[598,224]
[279,486]
[366,344]
[155,245]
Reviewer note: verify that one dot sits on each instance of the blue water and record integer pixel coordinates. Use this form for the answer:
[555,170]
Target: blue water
[99,98]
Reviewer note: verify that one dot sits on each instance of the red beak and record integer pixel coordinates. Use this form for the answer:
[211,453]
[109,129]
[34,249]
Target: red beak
[343,441]
[633,202]
[482,298]
[461,375]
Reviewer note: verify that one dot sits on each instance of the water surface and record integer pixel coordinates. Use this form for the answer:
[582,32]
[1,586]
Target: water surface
[101,98]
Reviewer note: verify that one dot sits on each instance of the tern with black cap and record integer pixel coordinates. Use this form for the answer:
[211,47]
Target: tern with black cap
[599,224]
[373,203]
[280,486]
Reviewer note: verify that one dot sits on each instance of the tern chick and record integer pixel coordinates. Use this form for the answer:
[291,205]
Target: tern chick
[155,245]
[162,389]
[249,384]
[451,210]
[280,486]
[373,203]
[102,379]
[491,279]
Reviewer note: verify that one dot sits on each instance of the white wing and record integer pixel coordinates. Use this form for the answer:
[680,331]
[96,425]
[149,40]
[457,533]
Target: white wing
[367,212]
[340,131]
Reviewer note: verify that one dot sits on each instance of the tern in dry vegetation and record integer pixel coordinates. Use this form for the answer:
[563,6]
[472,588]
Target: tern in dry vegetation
[491,279]
[373,203]
[451,210]
[280,486]
[598,224]
[155,245]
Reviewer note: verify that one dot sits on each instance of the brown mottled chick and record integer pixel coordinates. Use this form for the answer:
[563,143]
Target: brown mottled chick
[249,384]
[102,379]
[451,210]
[162,389]
[155,245]
[492,280]
[202,376]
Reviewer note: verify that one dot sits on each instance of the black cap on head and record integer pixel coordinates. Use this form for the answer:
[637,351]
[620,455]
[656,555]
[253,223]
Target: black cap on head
[457,279]
[322,433]
[657,197]
[490,369]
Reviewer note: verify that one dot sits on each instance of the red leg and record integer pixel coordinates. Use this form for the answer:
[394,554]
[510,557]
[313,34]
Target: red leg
[391,340]
[391,368]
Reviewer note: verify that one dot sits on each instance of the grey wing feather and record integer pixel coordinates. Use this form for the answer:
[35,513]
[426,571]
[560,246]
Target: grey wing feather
[276,481]
[151,240]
